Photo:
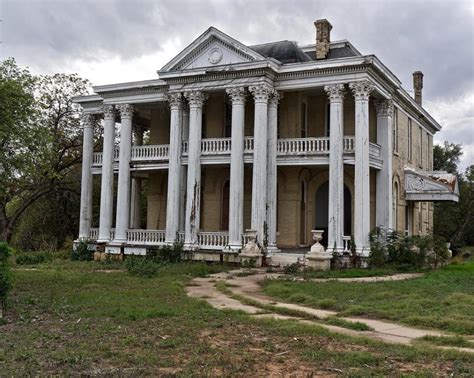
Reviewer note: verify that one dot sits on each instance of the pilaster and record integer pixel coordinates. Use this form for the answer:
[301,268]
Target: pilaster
[384,110]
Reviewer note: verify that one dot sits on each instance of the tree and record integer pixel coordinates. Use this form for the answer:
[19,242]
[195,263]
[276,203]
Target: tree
[446,157]
[5,279]
[41,139]
[452,220]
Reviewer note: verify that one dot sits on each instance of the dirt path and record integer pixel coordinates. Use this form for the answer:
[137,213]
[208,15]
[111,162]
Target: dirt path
[242,292]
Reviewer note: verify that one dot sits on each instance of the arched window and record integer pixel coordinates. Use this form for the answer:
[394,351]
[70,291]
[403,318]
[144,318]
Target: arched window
[395,205]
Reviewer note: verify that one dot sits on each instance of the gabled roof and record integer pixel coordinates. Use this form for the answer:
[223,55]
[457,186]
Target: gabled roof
[212,48]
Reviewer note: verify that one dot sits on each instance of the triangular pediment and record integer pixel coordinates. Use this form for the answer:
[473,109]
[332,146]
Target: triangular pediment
[430,186]
[210,49]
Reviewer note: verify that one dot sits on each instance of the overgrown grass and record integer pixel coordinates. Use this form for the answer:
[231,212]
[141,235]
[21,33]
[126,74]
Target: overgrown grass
[346,273]
[69,318]
[457,341]
[442,299]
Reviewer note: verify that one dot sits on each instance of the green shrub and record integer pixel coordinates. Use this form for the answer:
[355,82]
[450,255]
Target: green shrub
[292,268]
[33,258]
[166,254]
[5,276]
[142,266]
[81,252]
[405,252]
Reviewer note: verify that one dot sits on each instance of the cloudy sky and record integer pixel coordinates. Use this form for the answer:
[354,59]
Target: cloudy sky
[108,41]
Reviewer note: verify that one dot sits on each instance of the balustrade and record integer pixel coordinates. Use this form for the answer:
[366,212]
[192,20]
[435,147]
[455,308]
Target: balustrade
[151,152]
[146,237]
[213,240]
[215,146]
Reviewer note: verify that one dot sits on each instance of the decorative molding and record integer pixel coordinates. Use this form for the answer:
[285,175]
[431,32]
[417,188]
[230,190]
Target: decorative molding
[126,110]
[275,98]
[237,94]
[196,98]
[201,48]
[261,92]
[384,108]
[108,111]
[215,55]
[175,100]
[335,92]
[361,89]
[133,92]
[88,120]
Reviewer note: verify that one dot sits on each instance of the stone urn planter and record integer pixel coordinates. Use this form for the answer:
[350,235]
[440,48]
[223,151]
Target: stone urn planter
[251,252]
[317,257]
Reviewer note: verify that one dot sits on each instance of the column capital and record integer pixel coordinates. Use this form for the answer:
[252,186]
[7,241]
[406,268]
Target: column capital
[175,100]
[108,111]
[261,92]
[196,98]
[126,110]
[335,92]
[236,94]
[384,107]
[88,120]
[361,89]
[275,98]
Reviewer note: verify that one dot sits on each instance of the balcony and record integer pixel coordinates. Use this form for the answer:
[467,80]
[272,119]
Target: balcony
[290,151]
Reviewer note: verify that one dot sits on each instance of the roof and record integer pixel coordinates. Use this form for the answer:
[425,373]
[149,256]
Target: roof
[283,51]
[290,52]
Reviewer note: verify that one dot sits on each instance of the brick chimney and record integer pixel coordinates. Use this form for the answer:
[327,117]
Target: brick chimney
[418,86]
[323,38]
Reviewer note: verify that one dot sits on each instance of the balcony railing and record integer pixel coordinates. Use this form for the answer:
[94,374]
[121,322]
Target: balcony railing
[94,234]
[151,152]
[146,237]
[223,146]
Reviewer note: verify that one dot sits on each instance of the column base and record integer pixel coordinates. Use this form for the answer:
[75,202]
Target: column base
[319,260]
[192,247]
[273,249]
[363,252]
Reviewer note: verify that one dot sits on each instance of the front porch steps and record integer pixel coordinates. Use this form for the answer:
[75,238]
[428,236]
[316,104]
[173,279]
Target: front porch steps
[242,292]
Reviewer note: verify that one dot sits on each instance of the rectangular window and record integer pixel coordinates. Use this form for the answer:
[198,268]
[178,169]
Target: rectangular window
[410,135]
[395,131]
[304,120]
[420,149]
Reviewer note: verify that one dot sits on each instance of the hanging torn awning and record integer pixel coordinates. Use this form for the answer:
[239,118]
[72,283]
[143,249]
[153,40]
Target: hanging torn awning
[430,186]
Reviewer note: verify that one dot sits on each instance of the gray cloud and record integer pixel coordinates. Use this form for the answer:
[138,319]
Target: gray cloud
[436,37]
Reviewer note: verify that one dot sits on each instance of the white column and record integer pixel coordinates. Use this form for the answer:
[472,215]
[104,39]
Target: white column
[123,188]
[185,137]
[107,181]
[272,175]
[384,176]
[361,92]
[336,168]
[174,170]
[86,182]
[259,177]
[193,197]
[236,197]
[135,208]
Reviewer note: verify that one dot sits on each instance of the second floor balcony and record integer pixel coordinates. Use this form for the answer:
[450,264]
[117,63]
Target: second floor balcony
[290,151]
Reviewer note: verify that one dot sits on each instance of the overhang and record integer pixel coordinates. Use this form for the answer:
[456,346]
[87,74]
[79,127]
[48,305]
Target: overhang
[430,186]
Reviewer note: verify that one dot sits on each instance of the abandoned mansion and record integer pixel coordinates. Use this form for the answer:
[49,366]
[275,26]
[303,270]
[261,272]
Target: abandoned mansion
[276,138]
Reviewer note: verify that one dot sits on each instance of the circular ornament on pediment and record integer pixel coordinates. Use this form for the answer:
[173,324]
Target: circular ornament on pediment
[417,184]
[215,55]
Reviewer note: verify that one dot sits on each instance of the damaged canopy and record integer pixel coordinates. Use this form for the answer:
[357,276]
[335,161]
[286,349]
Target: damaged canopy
[431,186]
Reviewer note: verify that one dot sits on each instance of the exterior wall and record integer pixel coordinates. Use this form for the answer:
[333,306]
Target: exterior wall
[421,212]
[156,200]
[160,124]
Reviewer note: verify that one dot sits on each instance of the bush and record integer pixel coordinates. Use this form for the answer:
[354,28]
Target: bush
[292,268]
[405,252]
[81,252]
[167,254]
[5,276]
[33,258]
[142,266]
